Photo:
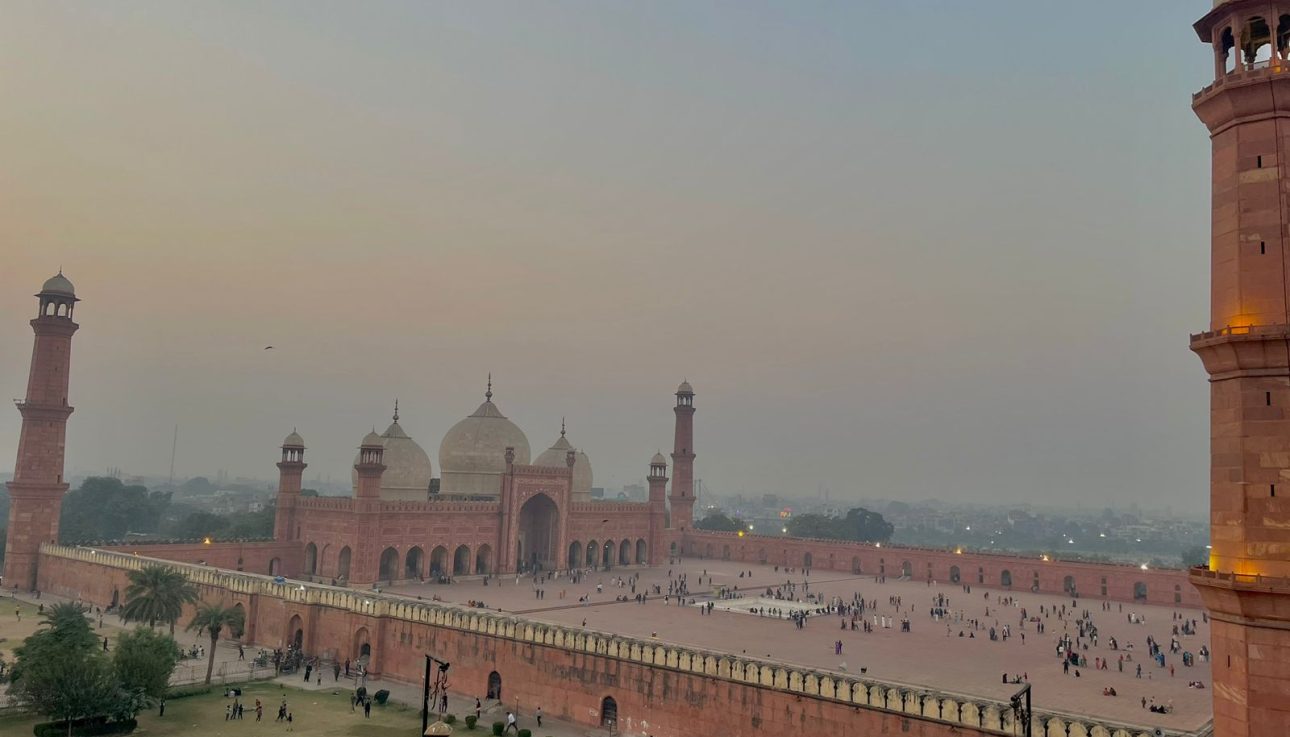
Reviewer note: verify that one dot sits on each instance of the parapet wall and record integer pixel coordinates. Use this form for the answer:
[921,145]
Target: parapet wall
[660,689]
[1163,587]
[268,557]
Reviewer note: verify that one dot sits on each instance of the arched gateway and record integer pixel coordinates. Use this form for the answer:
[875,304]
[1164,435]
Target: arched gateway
[538,534]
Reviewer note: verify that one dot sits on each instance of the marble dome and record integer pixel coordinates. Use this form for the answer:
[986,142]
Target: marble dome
[407,466]
[472,456]
[556,456]
[58,284]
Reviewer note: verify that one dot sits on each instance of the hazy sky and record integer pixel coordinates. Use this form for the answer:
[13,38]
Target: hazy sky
[924,248]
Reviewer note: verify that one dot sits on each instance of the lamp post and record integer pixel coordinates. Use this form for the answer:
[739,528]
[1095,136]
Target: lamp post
[1021,708]
[441,679]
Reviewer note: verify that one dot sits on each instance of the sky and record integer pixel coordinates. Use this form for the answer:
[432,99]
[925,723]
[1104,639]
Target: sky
[926,249]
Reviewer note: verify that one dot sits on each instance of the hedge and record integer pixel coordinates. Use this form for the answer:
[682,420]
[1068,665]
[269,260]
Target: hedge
[91,727]
[183,693]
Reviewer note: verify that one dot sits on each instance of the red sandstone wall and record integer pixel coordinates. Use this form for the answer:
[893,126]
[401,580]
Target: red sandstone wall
[652,700]
[252,557]
[1165,587]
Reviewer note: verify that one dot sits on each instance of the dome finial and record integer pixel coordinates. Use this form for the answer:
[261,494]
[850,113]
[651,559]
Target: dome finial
[561,427]
[488,395]
[396,409]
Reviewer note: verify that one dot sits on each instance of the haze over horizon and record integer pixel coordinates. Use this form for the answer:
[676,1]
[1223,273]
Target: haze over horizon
[904,250]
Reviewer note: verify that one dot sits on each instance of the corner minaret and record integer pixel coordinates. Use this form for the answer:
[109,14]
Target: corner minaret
[370,466]
[1246,352]
[36,492]
[657,480]
[291,469]
[683,459]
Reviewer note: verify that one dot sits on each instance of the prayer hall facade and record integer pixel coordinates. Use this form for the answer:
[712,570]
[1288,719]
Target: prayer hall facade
[495,511]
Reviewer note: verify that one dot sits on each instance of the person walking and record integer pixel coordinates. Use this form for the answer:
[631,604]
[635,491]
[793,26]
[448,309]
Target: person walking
[510,723]
[161,708]
[539,716]
[479,709]
[367,709]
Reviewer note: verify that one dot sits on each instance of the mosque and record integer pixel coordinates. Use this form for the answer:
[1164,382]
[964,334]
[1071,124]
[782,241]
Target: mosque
[493,511]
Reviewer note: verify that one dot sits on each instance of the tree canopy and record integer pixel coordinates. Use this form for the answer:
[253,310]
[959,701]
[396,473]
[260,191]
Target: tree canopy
[103,508]
[157,593]
[720,522]
[144,660]
[858,524]
[213,618]
[60,671]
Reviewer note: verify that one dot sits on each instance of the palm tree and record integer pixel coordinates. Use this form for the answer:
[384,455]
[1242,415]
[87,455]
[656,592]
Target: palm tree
[214,618]
[157,593]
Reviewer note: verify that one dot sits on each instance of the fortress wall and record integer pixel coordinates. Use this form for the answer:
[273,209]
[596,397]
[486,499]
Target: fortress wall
[660,689]
[252,557]
[1164,587]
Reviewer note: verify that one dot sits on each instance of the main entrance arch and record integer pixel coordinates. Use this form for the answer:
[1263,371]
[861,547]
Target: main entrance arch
[538,534]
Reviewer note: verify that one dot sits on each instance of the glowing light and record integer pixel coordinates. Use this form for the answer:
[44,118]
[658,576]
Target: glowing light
[1044,558]
[206,541]
[879,545]
[1209,547]
[1143,566]
[750,527]
[1101,534]
[958,551]
[785,530]
[1139,539]
[968,528]
[741,533]
[1070,542]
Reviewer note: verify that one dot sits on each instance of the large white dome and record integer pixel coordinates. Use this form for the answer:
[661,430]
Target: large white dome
[407,466]
[557,455]
[472,456]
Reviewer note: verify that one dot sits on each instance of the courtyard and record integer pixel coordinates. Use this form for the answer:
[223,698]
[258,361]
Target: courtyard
[932,654]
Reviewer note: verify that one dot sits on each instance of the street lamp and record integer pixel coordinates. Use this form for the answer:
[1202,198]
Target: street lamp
[440,684]
[1021,709]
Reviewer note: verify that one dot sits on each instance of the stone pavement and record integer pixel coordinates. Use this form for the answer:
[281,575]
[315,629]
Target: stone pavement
[932,655]
[410,695]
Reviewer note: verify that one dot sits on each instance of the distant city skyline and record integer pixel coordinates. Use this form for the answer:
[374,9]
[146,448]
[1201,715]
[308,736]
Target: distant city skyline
[961,267]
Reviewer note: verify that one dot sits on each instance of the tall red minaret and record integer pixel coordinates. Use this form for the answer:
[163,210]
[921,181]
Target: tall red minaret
[36,492]
[291,469]
[1246,352]
[683,460]
[657,480]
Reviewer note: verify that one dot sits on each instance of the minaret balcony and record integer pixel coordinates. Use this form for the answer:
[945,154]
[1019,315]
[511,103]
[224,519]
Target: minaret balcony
[1244,350]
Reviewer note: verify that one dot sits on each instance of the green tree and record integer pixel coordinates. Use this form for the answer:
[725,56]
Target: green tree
[1195,555]
[202,524]
[859,524]
[251,524]
[213,618]
[144,660]
[60,672]
[102,508]
[719,522]
[157,593]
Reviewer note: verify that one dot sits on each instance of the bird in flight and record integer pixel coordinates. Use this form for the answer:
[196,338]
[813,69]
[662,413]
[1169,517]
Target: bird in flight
[268,348]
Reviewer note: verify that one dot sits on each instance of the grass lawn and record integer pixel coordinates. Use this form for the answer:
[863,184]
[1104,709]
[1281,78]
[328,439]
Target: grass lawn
[316,714]
[19,619]
[14,630]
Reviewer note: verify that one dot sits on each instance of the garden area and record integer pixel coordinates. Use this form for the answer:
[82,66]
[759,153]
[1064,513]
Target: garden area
[323,713]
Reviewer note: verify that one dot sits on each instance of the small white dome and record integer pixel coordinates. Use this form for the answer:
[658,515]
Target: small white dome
[58,284]
[407,467]
[657,459]
[685,388]
[557,456]
[293,441]
[371,440]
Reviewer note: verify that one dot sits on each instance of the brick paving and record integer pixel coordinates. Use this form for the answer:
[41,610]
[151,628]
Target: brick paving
[927,656]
